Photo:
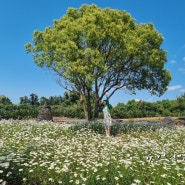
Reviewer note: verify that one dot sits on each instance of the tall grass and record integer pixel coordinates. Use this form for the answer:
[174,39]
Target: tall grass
[47,153]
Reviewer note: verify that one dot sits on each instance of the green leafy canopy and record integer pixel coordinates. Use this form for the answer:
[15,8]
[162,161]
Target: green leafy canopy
[94,48]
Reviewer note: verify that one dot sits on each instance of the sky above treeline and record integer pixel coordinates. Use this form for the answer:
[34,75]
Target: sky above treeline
[20,76]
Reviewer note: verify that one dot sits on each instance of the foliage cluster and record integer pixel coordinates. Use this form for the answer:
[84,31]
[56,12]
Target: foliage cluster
[18,111]
[134,109]
[5,100]
[94,51]
[70,106]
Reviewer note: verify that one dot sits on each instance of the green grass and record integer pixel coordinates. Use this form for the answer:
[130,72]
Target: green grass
[47,153]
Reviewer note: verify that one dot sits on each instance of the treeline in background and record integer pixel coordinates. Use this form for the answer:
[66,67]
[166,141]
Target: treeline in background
[69,105]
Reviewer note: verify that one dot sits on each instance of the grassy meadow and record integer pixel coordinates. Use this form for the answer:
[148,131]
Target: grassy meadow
[47,153]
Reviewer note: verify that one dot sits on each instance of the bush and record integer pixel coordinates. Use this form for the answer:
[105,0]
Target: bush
[18,111]
[71,111]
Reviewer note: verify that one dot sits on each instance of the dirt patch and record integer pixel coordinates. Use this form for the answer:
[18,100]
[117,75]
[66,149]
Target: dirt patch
[151,119]
[66,119]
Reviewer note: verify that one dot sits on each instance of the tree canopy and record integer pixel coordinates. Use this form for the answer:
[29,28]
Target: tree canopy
[95,51]
[5,100]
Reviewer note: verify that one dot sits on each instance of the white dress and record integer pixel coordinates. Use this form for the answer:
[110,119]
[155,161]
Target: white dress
[107,117]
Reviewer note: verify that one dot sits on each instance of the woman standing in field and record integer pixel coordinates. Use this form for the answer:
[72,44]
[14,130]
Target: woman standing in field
[107,117]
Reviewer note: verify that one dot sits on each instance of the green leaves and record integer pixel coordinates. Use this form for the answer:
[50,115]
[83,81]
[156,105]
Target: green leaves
[104,48]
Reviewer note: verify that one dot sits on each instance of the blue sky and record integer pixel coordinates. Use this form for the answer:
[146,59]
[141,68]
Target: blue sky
[19,76]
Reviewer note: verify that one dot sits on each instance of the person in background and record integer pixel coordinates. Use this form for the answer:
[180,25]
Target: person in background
[107,117]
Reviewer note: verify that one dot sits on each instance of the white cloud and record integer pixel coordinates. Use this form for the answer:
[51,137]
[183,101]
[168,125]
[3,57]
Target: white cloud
[175,87]
[182,69]
[182,90]
[173,61]
[138,100]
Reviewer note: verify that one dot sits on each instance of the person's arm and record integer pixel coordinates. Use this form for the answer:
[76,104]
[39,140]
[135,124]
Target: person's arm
[107,101]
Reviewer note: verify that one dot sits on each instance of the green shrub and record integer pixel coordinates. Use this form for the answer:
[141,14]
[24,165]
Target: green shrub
[118,127]
[18,111]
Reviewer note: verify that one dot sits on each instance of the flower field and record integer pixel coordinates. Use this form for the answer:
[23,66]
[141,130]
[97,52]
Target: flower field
[48,153]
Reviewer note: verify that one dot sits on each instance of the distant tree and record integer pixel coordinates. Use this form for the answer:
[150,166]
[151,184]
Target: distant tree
[132,108]
[147,109]
[34,100]
[181,102]
[66,96]
[119,111]
[5,100]
[73,96]
[102,50]
[24,100]
[55,100]
[43,100]
[60,99]
[159,108]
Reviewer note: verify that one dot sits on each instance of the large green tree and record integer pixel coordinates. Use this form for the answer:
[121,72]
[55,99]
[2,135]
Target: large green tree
[95,51]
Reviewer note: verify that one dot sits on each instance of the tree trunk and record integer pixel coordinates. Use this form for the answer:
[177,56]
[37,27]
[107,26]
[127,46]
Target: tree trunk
[84,106]
[96,105]
[89,106]
[85,112]
[96,109]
